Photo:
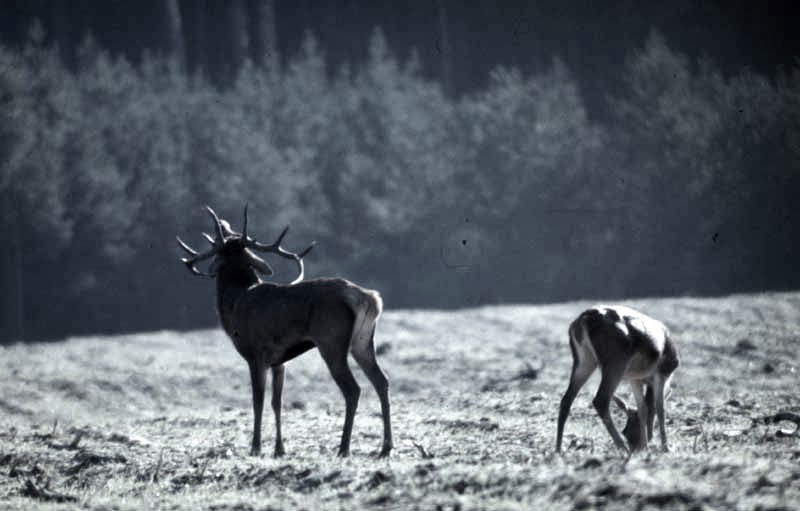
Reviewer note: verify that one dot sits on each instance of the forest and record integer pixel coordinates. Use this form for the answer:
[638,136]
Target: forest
[675,176]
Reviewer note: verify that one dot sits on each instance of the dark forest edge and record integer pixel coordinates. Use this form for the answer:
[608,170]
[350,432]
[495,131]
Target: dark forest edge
[508,194]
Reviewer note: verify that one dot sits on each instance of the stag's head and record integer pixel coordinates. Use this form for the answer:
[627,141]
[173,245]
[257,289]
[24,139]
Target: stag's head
[231,249]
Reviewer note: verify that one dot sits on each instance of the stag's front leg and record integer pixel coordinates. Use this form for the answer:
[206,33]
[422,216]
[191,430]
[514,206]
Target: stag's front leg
[277,391]
[258,380]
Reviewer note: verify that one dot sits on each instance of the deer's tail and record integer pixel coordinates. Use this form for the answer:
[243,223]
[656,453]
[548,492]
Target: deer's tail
[367,306]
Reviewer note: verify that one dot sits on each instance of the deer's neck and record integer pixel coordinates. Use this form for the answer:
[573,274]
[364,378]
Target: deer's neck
[232,283]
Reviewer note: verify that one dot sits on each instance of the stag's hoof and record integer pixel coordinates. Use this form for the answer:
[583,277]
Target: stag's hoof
[385,451]
[279,452]
[343,453]
[255,451]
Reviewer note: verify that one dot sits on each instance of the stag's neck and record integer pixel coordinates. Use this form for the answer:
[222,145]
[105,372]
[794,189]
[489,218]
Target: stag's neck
[232,283]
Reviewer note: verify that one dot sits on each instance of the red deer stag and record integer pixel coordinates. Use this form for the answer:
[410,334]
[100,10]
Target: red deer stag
[271,324]
[626,345]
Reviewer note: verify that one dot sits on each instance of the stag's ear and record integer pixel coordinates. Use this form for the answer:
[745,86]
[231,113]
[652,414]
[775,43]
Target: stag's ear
[258,264]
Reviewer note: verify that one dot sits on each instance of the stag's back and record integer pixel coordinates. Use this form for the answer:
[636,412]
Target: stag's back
[272,316]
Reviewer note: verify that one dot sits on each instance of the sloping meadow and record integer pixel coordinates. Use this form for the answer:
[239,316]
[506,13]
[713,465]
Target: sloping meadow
[163,420]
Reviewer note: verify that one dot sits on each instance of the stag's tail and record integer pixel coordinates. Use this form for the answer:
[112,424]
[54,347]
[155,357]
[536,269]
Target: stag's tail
[367,306]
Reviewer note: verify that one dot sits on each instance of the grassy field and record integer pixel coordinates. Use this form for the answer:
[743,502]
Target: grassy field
[163,420]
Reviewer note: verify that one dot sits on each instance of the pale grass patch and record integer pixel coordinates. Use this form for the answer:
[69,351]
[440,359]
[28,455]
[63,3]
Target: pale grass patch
[163,420]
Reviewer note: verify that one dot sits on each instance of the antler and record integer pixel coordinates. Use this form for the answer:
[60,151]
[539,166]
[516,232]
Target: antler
[216,244]
[209,238]
[244,223]
[218,225]
[276,248]
[196,257]
[224,232]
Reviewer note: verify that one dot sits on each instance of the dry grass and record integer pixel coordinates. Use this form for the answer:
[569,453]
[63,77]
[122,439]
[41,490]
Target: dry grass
[162,420]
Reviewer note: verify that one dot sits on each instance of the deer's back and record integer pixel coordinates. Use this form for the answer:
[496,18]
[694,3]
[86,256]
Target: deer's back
[622,330]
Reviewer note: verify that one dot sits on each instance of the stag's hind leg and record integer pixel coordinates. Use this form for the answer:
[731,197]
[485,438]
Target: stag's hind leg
[364,353]
[258,380]
[336,360]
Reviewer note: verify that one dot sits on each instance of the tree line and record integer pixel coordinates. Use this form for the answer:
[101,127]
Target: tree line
[507,194]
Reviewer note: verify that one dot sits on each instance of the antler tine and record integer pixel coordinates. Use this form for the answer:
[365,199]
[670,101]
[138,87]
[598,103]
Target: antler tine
[192,268]
[209,238]
[186,247]
[217,224]
[299,260]
[301,273]
[195,258]
[244,224]
[307,250]
[277,249]
[280,238]
[273,247]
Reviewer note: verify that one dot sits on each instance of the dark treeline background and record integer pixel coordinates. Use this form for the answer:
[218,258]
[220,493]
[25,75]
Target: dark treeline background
[447,155]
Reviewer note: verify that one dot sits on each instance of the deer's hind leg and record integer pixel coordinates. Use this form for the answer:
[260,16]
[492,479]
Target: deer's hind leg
[335,357]
[363,351]
[611,376]
[583,365]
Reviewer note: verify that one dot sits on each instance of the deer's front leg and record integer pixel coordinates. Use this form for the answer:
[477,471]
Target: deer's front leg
[650,399]
[277,391]
[658,390]
[258,380]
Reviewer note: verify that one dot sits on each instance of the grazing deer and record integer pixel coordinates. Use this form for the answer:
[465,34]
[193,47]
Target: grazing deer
[626,345]
[271,324]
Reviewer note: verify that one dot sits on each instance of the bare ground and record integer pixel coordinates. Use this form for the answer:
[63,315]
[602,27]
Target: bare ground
[163,420]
